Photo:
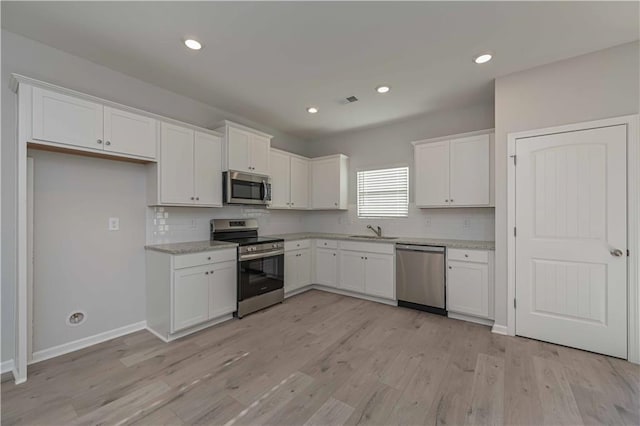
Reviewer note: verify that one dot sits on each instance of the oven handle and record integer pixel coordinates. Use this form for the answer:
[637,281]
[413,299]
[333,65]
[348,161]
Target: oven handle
[260,255]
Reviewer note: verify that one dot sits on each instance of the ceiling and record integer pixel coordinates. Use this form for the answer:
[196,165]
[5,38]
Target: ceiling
[269,61]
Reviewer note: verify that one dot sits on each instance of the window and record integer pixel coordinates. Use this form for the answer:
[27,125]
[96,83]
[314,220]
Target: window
[383,193]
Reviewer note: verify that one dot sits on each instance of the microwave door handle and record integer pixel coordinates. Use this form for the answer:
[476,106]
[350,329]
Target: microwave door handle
[264,190]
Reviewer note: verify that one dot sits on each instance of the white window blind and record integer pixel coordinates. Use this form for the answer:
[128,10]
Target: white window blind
[383,193]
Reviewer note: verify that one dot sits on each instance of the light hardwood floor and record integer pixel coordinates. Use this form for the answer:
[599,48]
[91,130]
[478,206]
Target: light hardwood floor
[325,359]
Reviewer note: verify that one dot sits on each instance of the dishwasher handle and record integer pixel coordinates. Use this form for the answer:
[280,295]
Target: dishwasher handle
[432,249]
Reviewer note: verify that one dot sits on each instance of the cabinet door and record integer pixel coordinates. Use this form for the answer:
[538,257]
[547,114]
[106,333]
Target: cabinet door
[190,297]
[379,275]
[207,169]
[176,164]
[469,171]
[304,268]
[223,289]
[280,180]
[66,119]
[352,271]
[325,184]
[326,267]
[128,133]
[238,147]
[432,174]
[299,183]
[291,270]
[468,288]
[259,149]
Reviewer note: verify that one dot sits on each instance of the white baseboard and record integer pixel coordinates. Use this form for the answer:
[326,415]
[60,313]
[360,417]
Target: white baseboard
[470,318]
[499,329]
[6,366]
[298,291]
[353,294]
[86,341]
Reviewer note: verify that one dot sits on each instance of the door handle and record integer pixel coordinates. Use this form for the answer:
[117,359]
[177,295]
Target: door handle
[616,252]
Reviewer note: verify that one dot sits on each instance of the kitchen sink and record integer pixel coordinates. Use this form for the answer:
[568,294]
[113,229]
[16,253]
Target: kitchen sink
[372,237]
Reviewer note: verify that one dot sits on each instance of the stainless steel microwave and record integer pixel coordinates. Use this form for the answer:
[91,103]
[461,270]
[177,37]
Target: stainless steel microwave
[246,188]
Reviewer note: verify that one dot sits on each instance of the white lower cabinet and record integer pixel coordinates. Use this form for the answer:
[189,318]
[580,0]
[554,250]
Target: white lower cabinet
[190,290]
[379,275]
[297,267]
[352,271]
[469,282]
[326,267]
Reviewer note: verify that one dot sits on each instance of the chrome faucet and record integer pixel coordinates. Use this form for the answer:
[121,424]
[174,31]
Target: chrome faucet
[377,231]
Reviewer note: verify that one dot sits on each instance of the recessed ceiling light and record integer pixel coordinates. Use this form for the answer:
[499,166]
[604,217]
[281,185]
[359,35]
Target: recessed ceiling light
[193,44]
[483,59]
[383,89]
[312,110]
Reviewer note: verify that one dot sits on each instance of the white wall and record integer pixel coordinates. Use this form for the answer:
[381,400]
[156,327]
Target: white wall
[589,87]
[390,145]
[82,213]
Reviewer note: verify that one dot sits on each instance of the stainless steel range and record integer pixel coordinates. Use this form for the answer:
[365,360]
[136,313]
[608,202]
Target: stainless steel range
[260,263]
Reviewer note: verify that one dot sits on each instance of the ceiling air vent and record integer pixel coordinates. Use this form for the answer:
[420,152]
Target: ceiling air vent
[351,99]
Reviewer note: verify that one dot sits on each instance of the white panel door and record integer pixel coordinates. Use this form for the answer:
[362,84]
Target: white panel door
[259,148]
[66,119]
[176,164]
[207,169]
[291,271]
[222,289]
[190,297]
[299,183]
[468,288]
[469,171]
[325,184]
[432,174]
[304,268]
[238,147]
[352,271]
[128,133]
[326,267]
[379,275]
[280,180]
[571,263]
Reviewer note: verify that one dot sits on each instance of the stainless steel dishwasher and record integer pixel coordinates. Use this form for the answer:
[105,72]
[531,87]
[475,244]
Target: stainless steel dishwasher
[420,278]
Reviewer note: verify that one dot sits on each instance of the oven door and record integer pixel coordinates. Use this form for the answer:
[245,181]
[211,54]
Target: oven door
[260,275]
[244,188]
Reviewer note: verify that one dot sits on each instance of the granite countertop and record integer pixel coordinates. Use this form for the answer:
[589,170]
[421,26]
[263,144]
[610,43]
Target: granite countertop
[463,244]
[191,247]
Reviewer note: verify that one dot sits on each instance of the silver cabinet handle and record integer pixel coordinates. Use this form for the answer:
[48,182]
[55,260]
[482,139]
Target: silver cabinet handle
[212,272]
[209,258]
[334,254]
[616,252]
[99,141]
[446,201]
[335,204]
[197,198]
[108,143]
[193,198]
[451,200]
[206,273]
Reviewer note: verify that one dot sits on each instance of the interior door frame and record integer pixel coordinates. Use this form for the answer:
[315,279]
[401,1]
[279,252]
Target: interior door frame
[633,220]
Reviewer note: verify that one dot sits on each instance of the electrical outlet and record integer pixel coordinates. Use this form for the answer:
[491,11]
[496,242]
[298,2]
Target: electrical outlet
[467,223]
[114,224]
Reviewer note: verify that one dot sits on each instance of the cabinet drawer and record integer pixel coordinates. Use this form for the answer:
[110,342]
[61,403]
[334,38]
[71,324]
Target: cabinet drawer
[479,256]
[296,245]
[203,258]
[368,247]
[333,244]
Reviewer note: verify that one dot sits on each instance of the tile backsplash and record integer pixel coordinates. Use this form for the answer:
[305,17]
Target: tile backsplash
[179,224]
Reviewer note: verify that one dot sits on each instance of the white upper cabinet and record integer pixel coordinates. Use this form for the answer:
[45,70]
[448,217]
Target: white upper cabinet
[85,125]
[469,171]
[66,119]
[207,169]
[189,171]
[432,174]
[176,164]
[299,183]
[245,149]
[280,163]
[454,172]
[329,182]
[289,180]
[129,133]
